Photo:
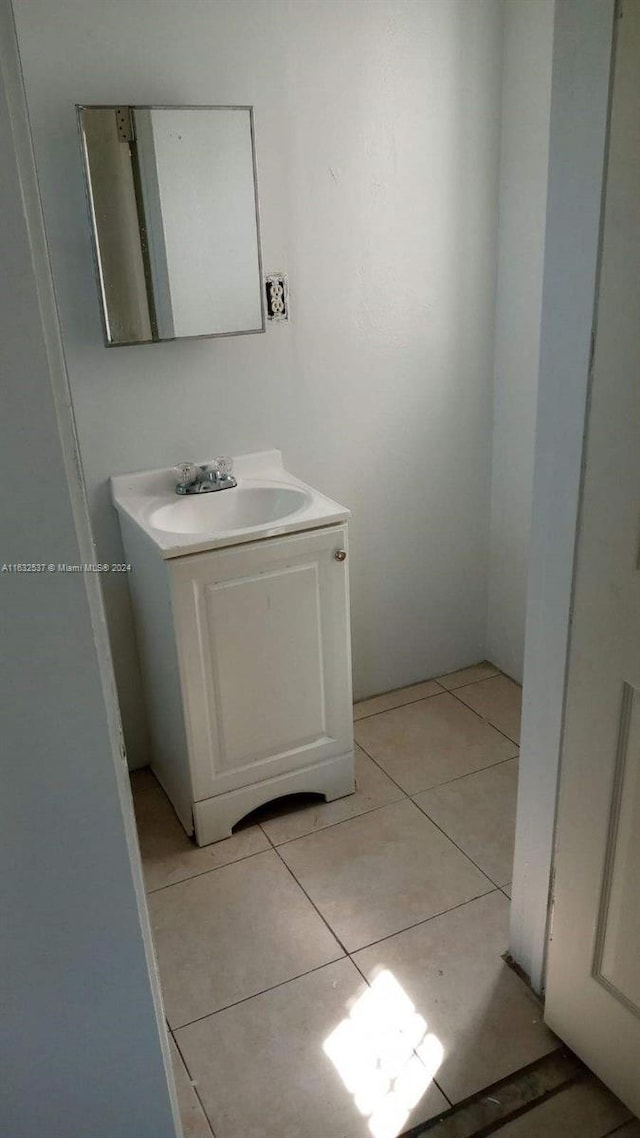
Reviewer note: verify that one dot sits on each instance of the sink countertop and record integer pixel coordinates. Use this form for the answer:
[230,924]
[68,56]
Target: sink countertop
[144,496]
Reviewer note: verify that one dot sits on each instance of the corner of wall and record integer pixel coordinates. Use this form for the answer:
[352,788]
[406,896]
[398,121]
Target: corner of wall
[524,153]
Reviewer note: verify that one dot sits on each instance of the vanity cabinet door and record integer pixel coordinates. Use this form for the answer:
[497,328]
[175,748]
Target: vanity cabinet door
[265,661]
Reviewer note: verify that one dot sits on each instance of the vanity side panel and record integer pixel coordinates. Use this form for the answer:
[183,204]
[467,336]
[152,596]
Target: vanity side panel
[149,583]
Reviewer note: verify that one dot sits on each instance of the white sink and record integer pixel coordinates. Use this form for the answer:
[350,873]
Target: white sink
[267,501]
[241,507]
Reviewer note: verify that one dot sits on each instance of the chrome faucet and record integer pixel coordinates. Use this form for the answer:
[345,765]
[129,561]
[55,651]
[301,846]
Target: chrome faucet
[215,475]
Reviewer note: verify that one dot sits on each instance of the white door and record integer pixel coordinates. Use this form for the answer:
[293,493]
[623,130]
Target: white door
[593,975]
[265,662]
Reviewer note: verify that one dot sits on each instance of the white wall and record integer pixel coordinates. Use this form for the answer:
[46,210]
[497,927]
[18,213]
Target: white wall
[526,95]
[81,1023]
[377,130]
[579,116]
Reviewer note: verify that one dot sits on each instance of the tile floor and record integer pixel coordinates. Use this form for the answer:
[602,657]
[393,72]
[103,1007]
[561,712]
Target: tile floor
[288,952]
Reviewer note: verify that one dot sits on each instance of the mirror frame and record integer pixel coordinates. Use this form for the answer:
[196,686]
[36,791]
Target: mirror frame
[80,108]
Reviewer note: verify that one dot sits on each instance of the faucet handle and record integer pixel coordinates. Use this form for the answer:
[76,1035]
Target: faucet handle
[187,473]
[222,466]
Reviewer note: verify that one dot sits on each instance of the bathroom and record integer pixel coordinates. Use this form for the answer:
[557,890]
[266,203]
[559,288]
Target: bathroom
[402,157]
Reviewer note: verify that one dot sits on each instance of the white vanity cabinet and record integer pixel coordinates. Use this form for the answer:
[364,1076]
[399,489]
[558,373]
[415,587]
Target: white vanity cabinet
[241,605]
[262,634]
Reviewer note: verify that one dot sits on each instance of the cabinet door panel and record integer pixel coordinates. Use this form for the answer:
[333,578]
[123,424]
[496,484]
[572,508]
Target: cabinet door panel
[264,636]
[263,642]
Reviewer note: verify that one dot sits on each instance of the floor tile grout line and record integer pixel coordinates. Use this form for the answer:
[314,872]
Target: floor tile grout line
[469,774]
[437,681]
[458,847]
[357,966]
[425,920]
[339,822]
[212,869]
[193,1082]
[271,843]
[443,1093]
[516,743]
[262,992]
[436,785]
[381,768]
[397,706]
[412,702]
[470,683]
[263,831]
[312,902]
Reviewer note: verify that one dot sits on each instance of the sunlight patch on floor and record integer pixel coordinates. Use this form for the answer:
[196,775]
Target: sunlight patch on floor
[385,1055]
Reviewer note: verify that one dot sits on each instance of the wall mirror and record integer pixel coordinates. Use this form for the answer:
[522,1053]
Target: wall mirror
[173,206]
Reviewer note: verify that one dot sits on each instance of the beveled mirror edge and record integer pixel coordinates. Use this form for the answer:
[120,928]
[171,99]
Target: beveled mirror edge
[80,108]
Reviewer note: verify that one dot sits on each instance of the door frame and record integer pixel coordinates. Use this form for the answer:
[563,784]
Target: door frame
[580,110]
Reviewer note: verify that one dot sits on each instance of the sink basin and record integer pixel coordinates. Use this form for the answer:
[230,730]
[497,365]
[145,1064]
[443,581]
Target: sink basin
[267,502]
[239,508]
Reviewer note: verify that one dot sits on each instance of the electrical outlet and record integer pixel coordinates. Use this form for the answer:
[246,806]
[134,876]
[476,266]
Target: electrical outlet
[277,295]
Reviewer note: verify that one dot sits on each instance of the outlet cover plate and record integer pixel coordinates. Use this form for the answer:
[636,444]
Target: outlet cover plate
[277,297]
